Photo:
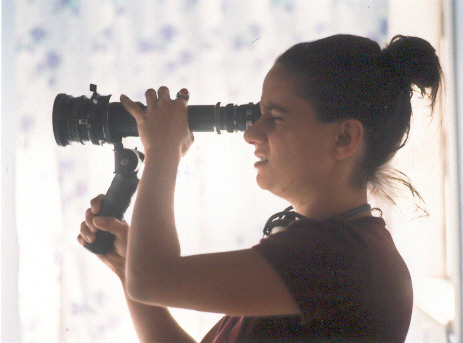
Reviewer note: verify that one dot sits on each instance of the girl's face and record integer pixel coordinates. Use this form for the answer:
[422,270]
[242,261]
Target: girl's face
[293,147]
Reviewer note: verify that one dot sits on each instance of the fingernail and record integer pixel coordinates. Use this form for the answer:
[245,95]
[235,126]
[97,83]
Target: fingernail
[98,221]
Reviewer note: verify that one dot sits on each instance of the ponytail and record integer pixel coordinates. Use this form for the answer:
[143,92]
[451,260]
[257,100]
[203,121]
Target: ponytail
[415,60]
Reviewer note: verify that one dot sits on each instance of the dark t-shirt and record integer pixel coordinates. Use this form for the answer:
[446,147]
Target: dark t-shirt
[348,278]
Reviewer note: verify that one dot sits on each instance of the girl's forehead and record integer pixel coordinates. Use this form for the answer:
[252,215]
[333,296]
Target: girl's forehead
[278,73]
[279,82]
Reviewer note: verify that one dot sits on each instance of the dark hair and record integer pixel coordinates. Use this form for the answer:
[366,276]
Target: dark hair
[346,76]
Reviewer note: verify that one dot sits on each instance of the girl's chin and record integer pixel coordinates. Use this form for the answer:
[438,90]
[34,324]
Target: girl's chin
[267,184]
[264,182]
[261,181]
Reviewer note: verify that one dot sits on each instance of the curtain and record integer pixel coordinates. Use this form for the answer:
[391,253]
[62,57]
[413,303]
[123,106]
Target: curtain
[220,51]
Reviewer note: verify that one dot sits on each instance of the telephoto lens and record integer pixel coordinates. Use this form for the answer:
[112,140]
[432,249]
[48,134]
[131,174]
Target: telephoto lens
[96,120]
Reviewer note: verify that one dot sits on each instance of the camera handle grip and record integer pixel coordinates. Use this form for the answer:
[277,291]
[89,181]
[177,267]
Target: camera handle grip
[114,204]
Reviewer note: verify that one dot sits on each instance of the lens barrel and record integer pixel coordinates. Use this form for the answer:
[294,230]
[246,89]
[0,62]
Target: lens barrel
[96,120]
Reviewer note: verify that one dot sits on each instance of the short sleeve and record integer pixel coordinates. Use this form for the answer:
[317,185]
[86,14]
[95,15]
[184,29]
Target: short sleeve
[323,266]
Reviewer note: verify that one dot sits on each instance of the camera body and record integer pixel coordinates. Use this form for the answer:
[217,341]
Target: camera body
[96,120]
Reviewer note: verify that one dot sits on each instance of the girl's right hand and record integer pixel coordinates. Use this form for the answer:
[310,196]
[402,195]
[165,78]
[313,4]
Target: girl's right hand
[115,259]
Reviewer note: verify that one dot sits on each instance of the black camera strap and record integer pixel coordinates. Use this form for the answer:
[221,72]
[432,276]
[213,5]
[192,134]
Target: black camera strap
[282,219]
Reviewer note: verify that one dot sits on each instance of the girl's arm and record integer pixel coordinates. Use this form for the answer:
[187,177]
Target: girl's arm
[152,323]
[235,283]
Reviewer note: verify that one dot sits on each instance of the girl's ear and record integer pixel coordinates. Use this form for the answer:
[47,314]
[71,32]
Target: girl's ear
[349,137]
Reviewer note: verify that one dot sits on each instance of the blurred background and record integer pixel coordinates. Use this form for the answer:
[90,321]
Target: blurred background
[53,290]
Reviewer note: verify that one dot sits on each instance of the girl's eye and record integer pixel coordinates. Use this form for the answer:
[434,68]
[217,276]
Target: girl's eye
[270,117]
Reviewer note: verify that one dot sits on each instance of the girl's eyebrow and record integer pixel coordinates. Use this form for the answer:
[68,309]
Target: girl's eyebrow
[273,106]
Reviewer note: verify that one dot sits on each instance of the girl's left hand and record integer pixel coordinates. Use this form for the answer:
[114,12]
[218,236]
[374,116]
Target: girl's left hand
[163,125]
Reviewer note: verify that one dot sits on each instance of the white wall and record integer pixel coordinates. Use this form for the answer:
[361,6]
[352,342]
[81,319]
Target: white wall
[10,323]
[455,81]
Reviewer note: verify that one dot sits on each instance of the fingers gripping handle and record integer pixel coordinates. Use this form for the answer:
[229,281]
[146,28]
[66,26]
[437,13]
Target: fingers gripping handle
[114,204]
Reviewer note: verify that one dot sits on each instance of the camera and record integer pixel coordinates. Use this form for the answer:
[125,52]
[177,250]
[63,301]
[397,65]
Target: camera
[96,120]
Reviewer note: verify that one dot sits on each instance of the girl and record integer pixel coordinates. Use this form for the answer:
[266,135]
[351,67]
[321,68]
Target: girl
[334,113]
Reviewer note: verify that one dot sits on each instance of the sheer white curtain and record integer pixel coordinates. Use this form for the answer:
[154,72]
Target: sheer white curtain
[220,51]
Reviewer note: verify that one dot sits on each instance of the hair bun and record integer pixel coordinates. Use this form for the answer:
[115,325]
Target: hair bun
[416,62]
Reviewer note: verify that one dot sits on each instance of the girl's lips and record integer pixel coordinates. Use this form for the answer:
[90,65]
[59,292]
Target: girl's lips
[262,161]
[262,158]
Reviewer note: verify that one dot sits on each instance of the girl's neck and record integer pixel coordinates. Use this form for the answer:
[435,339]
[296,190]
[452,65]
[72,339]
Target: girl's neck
[327,206]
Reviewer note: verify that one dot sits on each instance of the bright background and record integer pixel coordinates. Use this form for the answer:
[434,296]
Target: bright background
[55,291]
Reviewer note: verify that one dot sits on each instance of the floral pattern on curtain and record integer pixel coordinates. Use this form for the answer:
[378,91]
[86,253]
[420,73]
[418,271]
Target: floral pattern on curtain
[220,51]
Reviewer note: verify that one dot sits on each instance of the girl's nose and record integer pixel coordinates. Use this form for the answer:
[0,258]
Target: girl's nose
[255,133]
